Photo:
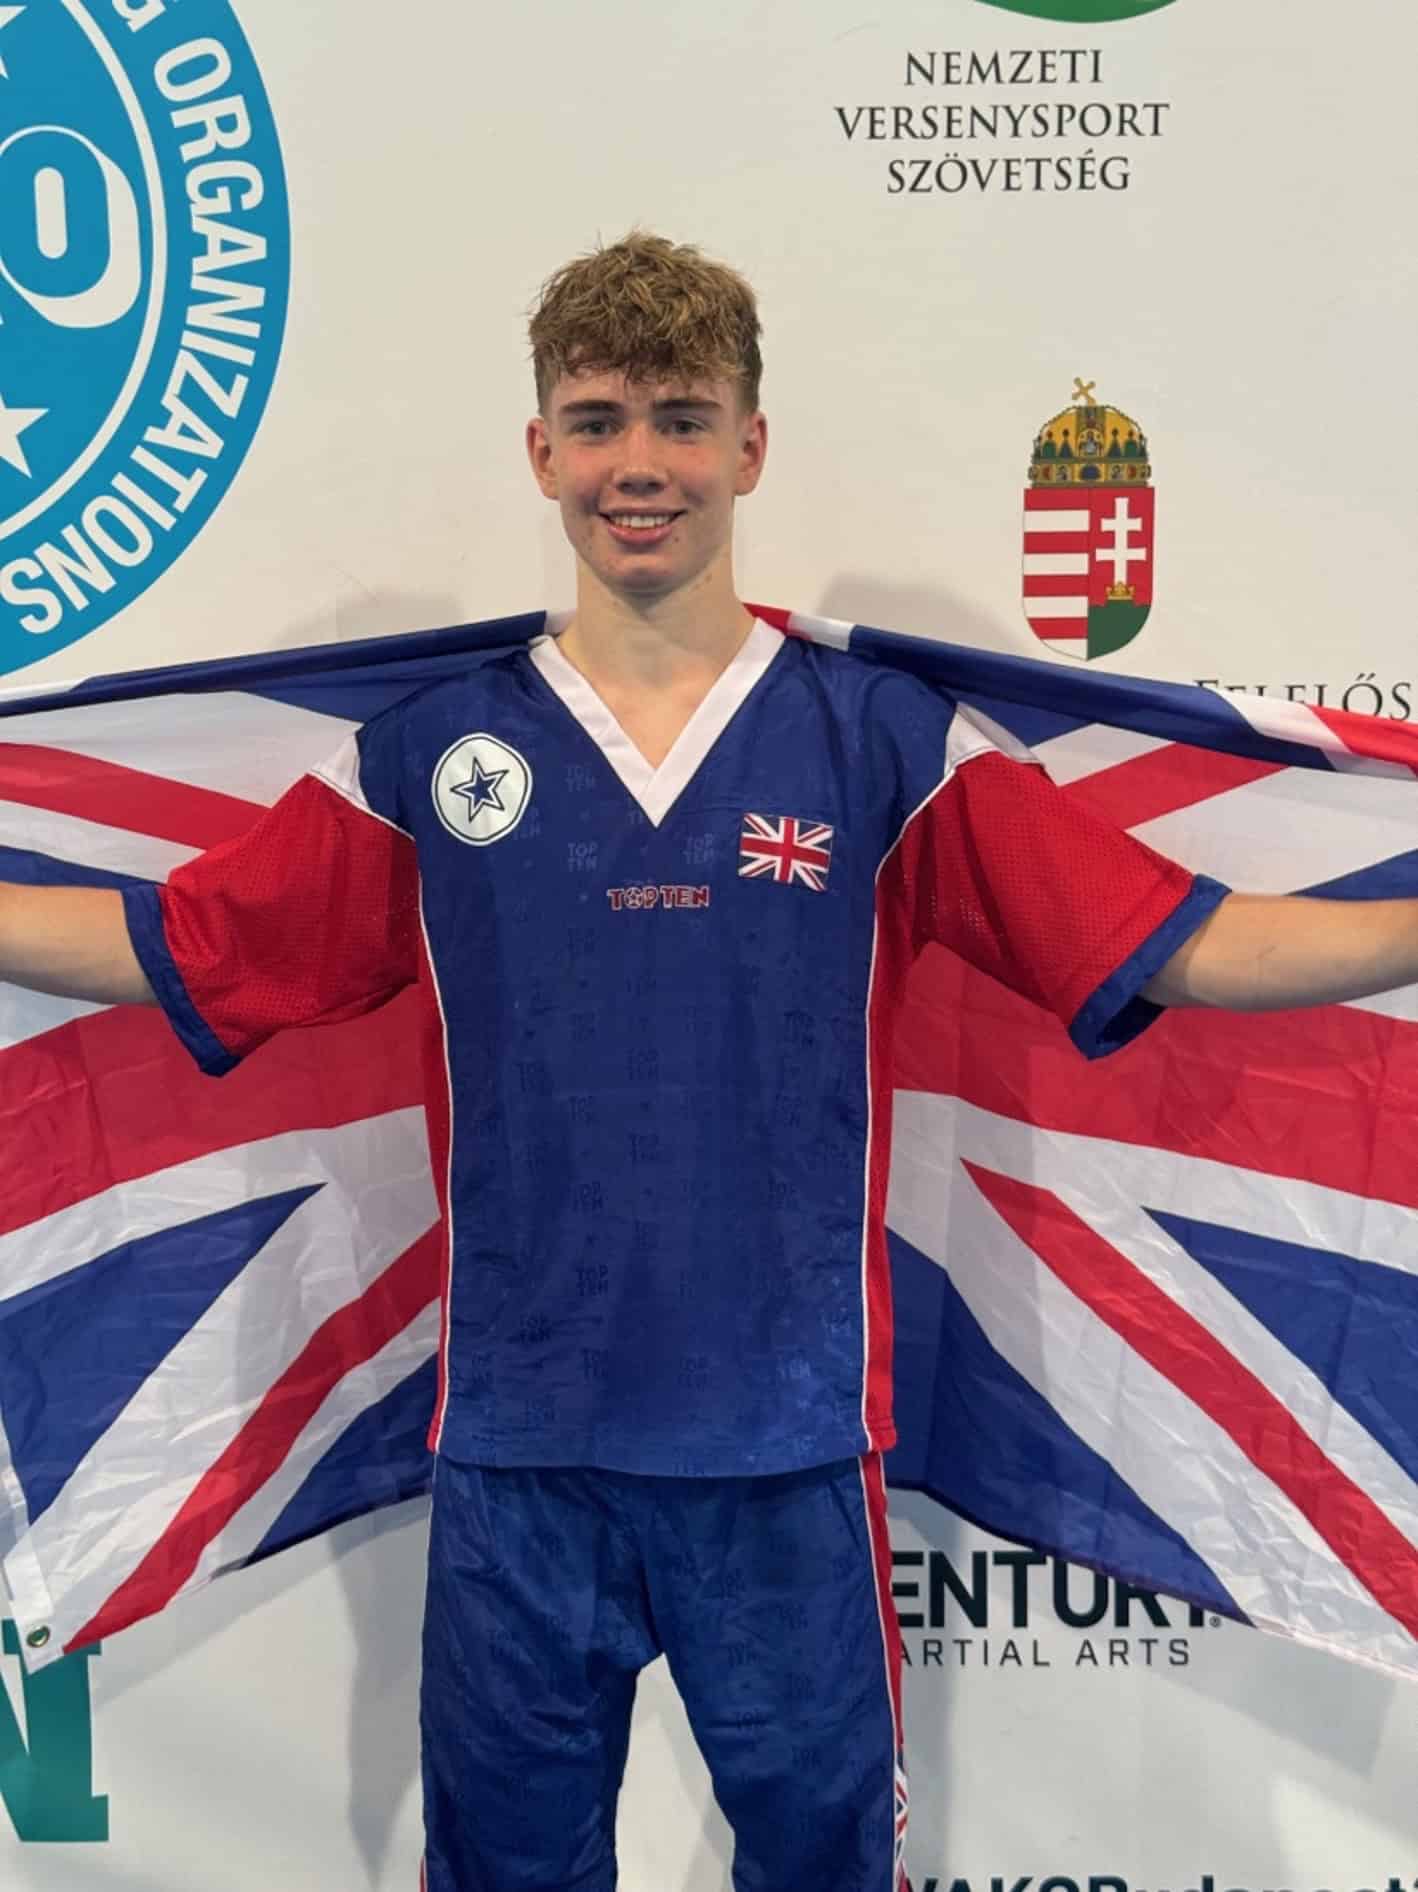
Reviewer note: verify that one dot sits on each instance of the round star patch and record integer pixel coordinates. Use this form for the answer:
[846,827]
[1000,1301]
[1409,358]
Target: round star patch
[481,789]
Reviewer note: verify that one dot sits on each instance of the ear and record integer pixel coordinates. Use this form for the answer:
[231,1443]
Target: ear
[540,455]
[753,450]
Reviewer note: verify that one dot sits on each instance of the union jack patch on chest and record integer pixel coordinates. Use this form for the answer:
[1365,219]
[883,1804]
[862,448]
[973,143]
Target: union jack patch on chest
[787,850]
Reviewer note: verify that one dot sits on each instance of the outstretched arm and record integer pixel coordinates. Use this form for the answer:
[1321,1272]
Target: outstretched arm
[1267,953]
[70,941]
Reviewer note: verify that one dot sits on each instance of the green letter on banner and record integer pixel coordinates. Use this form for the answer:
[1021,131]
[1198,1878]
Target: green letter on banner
[47,1787]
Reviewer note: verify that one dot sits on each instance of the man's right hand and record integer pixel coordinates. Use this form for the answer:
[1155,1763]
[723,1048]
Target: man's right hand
[72,942]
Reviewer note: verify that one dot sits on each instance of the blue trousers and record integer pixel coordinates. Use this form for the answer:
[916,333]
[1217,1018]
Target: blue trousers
[549,1591]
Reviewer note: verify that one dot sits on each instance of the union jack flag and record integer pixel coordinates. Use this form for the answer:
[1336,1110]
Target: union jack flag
[219,1318]
[787,850]
[1157,1315]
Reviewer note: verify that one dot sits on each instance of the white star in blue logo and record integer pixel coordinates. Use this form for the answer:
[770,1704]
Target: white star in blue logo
[480,790]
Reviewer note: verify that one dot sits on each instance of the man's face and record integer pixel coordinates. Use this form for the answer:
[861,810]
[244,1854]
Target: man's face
[646,476]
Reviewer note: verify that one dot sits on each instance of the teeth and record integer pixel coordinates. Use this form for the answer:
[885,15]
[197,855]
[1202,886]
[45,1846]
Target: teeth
[645,521]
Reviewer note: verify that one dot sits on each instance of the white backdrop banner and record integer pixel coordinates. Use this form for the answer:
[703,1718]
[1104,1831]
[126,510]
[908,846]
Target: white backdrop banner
[264,272]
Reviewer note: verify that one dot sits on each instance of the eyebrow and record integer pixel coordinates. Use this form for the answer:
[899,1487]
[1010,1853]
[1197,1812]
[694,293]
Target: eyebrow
[679,404]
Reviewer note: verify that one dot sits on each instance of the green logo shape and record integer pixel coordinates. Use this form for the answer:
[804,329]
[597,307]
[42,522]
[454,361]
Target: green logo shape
[1081,12]
[47,1783]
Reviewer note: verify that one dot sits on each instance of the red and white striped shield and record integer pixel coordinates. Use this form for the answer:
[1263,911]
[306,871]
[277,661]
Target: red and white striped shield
[1088,563]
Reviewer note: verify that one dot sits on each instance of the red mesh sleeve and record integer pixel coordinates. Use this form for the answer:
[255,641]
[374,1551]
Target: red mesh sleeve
[310,917]
[1049,899]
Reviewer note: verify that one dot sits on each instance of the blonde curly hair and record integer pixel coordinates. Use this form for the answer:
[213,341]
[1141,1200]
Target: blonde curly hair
[652,310]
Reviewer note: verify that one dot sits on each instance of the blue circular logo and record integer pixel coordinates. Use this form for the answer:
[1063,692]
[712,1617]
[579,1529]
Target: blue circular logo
[144,277]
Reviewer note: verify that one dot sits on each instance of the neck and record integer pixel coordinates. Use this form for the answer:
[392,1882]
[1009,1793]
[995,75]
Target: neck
[693,632]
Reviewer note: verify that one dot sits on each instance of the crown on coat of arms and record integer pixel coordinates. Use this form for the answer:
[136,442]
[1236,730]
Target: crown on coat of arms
[1090,444]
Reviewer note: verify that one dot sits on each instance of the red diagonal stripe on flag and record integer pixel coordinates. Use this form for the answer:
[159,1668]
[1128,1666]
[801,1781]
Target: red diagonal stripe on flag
[114,1096]
[1328,1095]
[349,1338]
[1191,1357]
[117,797]
[1163,781]
[1371,736]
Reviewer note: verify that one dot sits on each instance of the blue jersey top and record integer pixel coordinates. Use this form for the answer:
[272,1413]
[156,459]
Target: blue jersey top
[659,1105]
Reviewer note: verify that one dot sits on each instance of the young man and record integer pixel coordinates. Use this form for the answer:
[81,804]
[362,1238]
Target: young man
[661,879]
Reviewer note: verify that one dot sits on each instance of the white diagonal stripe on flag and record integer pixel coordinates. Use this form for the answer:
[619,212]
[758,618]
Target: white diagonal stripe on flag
[75,1236]
[1082,752]
[1297,722]
[228,741]
[93,843]
[1288,830]
[1310,1215]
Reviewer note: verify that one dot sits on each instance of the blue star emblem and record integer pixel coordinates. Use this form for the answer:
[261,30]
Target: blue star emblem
[480,791]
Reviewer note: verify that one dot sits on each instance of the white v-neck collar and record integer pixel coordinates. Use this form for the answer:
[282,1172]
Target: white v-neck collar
[657,790]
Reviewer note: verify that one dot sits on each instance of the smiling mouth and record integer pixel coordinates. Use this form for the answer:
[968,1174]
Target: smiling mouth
[640,521]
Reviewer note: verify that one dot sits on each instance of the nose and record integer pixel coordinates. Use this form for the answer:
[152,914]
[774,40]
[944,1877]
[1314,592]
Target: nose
[641,467]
